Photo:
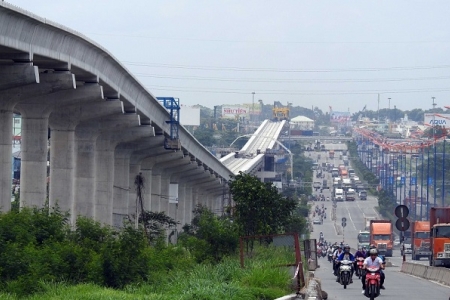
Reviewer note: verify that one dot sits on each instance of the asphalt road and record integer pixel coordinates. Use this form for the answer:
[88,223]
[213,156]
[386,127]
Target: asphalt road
[398,285]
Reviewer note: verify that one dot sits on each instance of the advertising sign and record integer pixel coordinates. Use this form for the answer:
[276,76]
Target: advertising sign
[189,115]
[340,117]
[233,111]
[438,119]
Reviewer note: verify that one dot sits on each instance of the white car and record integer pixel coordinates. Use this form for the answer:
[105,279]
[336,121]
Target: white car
[317,221]
[408,248]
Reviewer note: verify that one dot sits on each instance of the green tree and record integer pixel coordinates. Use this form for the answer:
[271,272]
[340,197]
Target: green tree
[259,208]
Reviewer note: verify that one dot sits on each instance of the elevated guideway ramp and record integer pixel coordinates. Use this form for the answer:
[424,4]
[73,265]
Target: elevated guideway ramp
[251,157]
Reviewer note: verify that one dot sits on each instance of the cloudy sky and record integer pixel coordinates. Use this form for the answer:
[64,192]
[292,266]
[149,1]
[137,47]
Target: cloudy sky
[325,53]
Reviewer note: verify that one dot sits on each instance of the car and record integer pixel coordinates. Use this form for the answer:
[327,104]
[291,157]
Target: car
[317,221]
[408,248]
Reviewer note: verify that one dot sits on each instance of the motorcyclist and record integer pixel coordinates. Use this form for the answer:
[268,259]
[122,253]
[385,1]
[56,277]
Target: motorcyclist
[336,254]
[373,261]
[346,255]
[360,253]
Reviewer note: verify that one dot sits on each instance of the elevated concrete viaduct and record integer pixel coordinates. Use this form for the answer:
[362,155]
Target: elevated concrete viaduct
[100,125]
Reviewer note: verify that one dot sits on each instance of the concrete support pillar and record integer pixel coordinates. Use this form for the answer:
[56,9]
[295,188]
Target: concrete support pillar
[182,201]
[164,199]
[156,193]
[189,205]
[6,122]
[16,81]
[33,175]
[121,185]
[147,174]
[85,103]
[134,170]
[85,171]
[62,169]
[104,178]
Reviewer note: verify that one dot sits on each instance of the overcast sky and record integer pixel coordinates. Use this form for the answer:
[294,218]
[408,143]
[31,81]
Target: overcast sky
[310,53]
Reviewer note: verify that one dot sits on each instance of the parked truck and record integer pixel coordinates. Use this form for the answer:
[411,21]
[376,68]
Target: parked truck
[420,239]
[440,236]
[381,235]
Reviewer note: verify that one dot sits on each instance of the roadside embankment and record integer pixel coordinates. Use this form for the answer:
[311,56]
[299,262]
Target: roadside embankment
[441,275]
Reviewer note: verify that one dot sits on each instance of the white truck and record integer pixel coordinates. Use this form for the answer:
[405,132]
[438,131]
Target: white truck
[339,195]
[350,195]
[367,222]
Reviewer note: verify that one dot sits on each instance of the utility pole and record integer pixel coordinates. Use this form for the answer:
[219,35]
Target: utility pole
[378,109]
[253,106]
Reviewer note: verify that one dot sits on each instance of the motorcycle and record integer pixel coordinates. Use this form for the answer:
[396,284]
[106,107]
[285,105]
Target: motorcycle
[345,272]
[359,265]
[373,281]
[330,257]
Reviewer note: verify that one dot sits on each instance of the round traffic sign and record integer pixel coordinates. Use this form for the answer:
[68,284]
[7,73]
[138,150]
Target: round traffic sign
[402,224]
[344,219]
[401,211]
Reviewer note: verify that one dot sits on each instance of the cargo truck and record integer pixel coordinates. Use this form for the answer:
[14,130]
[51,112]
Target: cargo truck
[339,195]
[381,236]
[367,222]
[331,154]
[420,239]
[350,195]
[363,239]
[440,236]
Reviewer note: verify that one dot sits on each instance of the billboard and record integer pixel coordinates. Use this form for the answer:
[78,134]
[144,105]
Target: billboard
[438,119]
[234,111]
[189,116]
[340,117]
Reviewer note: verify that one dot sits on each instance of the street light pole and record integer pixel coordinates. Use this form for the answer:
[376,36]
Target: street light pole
[253,106]
[389,110]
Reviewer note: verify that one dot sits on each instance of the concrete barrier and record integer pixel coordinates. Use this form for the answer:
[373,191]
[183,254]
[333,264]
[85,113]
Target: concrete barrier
[444,276]
[438,274]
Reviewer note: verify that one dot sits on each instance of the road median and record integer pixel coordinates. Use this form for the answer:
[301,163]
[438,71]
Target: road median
[438,274]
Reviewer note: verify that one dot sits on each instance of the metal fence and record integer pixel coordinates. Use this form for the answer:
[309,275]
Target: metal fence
[310,250]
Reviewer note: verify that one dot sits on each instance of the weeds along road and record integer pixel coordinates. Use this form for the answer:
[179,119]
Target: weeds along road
[398,285]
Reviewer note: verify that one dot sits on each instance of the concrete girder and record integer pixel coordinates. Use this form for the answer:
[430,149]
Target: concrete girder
[86,134]
[17,75]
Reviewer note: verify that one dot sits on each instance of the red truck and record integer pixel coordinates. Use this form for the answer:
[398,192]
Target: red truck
[440,236]
[420,239]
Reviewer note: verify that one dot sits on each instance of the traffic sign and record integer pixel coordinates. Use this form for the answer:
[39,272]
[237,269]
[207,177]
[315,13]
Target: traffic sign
[344,220]
[401,211]
[413,181]
[403,179]
[344,224]
[402,224]
[391,180]
[430,180]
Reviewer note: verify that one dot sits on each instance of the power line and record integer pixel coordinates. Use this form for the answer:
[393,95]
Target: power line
[242,69]
[262,41]
[293,92]
[280,80]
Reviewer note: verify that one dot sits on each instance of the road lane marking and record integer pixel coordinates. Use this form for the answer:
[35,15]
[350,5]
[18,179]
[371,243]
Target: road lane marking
[350,216]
